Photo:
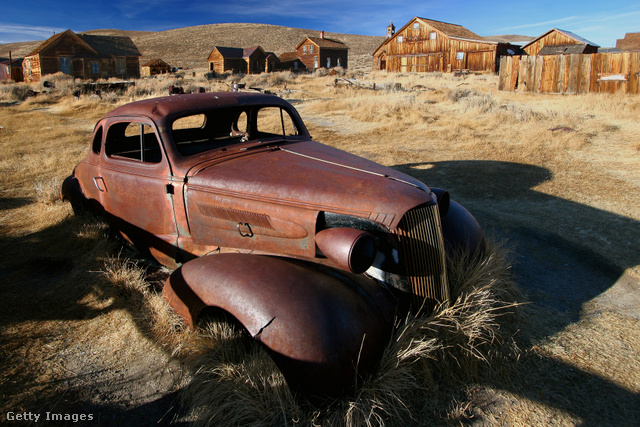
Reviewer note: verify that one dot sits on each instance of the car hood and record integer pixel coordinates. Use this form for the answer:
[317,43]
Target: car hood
[312,175]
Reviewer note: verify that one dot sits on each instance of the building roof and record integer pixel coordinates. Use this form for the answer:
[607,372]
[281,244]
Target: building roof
[156,63]
[560,49]
[99,45]
[250,51]
[230,52]
[288,56]
[111,45]
[569,34]
[324,42]
[631,41]
[451,30]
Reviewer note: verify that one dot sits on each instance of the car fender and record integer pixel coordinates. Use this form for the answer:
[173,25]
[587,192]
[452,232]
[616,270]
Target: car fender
[322,327]
[461,232]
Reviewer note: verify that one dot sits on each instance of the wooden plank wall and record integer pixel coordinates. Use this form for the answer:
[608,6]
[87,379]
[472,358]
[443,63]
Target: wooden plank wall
[575,73]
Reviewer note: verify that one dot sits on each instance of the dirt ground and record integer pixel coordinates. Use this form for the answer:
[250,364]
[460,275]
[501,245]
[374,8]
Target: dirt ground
[566,374]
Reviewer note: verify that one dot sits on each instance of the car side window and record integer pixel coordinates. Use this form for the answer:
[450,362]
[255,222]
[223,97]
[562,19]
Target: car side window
[274,121]
[96,145]
[132,140]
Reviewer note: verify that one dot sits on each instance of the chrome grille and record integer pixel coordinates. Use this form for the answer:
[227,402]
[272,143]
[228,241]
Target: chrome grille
[422,256]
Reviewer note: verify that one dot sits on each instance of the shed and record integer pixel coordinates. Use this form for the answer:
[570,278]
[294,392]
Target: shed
[561,38]
[84,56]
[237,60]
[424,45]
[155,67]
[290,61]
[630,42]
[321,52]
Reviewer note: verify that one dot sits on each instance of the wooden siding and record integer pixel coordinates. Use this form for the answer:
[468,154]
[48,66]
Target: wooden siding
[320,54]
[576,73]
[416,50]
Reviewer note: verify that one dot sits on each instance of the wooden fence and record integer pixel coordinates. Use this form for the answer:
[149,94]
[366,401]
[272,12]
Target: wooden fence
[575,73]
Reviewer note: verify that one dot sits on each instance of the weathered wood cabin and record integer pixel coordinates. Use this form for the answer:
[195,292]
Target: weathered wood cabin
[321,52]
[238,60]
[155,67]
[559,42]
[290,61]
[630,42]
[83,56]
[424,45]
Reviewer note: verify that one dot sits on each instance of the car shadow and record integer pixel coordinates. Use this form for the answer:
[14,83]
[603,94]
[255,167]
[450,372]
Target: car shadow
[557,270]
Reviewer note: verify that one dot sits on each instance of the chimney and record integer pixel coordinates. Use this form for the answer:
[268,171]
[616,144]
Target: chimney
[322,34]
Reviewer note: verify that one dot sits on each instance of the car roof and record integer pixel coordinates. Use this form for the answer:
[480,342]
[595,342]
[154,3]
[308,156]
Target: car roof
[174,105]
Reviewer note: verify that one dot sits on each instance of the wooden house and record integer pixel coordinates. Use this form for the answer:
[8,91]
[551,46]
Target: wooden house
[290,61]
[155,67]
[237,60]
[424,45]
[558,42]
[630,42]
[271,62]
[83,56]
[11,69]
[321,52]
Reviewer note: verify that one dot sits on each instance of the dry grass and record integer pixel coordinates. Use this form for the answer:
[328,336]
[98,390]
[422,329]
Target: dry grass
[85,327]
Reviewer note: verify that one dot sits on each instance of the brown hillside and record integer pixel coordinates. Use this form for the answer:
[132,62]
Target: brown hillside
[191,46]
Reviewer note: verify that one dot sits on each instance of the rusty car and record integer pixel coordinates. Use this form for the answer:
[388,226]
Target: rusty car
[313,250]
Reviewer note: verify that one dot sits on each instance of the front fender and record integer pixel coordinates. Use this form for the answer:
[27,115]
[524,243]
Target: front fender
[322,327]
[461,232]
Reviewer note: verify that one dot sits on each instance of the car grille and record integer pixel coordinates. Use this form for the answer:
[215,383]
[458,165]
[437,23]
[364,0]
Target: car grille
[423,257]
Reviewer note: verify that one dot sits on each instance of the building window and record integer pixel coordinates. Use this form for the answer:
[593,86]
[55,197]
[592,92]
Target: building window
[338,63]
[311,49]
[121,66]
[460,56]
[433,35]
[400,39]
[416,25]
[304,49]
[65,64]
[328,62]
[95,68]
[315,62]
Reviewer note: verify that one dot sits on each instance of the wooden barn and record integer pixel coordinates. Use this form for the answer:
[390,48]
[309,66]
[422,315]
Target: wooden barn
[630,42]
[155,67]
[11,69]
[424,45]
[321,52]
[83,56]
[559,42]
[237,60]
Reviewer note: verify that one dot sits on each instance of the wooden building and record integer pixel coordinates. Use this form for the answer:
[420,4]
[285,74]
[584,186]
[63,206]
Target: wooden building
[238,60]
[424,45]
[83,56]
[155,67]
[321,52]
[271,62]
[559,42]
[290,61]
[11,69]
[630,42]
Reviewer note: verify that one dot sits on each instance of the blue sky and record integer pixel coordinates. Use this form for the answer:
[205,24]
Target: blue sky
[601,22]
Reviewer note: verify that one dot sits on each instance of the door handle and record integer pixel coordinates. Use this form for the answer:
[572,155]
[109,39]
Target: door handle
[99,183]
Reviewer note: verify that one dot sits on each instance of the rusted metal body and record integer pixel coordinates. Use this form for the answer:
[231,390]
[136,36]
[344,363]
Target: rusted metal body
[312,249]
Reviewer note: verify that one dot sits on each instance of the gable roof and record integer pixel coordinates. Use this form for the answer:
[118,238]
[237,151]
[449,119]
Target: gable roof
[51,41]
[251,50]
[569,34]
[156,63]
[324,42]
[229,52]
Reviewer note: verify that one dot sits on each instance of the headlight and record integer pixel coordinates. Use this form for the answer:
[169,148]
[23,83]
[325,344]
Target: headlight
[350,249]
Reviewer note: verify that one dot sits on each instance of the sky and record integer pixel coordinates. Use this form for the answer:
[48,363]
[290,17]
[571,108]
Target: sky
[601,22]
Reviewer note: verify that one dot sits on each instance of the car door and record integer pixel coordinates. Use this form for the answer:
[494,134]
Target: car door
[135,181]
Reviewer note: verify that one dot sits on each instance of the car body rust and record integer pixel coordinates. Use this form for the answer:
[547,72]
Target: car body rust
[313,250]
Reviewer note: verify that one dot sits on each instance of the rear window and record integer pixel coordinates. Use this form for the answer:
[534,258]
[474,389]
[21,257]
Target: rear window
[201,132]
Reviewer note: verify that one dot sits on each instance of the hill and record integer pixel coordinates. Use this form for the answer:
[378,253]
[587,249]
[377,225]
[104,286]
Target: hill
[190,47]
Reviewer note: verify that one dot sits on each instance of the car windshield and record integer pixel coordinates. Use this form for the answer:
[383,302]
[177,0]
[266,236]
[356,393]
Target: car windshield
[214,129]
